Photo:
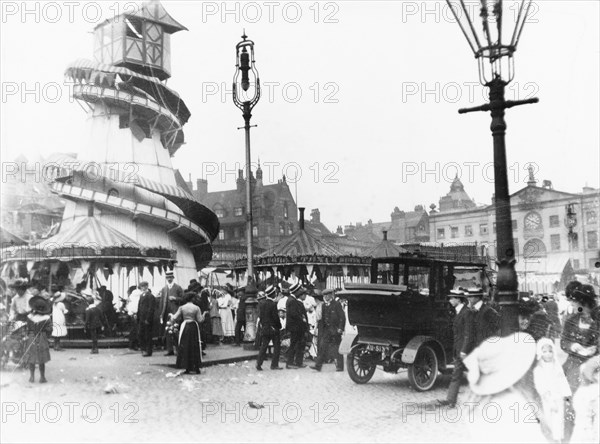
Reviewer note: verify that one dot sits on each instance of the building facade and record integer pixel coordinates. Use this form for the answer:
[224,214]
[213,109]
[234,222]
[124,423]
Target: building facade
[555,232]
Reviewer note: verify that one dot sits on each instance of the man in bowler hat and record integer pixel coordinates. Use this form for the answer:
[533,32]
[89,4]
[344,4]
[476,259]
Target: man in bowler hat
[462,329]
[146,308]
[270,325]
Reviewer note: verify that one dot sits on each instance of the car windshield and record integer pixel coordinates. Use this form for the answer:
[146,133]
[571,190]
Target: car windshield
[468,278]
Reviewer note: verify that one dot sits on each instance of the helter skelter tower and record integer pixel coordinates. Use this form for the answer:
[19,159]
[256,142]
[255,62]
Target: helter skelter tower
[123,181]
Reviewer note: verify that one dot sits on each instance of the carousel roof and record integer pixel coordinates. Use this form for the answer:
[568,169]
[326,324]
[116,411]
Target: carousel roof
[89,239]
[301,243]
[386,248]
[90,231]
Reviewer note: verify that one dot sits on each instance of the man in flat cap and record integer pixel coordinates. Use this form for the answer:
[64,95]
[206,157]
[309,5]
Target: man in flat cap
[296,325]
[270,325]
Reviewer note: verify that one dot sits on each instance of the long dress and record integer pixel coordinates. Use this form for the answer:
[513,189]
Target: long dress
[226,316]
[59,324]
[552,386]
[189,351]
[37,350]
[215,319]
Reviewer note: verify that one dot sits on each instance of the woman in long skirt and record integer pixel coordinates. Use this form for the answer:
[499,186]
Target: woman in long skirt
[189,351]
[215,318]
[224,301]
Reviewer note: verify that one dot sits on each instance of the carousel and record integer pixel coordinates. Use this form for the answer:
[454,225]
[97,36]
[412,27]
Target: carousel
[89,255]
[303,256]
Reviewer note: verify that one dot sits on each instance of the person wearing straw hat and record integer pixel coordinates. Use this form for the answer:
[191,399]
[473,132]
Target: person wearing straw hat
[503,404]
[171,298]
[333,323]
[59,323]
[462,329]
[39,327]
[270,326]
[296,325]
[486,320]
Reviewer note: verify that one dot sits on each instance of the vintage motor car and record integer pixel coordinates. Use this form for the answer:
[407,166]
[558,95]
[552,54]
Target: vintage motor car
[403,318]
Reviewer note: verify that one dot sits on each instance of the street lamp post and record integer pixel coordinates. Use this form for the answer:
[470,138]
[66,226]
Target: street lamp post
[496,70]
[246,100]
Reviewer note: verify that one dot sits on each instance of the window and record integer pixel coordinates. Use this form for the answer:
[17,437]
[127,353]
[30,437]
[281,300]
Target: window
[453,232]
[221,235]
[576,264]
[590,217]
[592,239]
[281,228]
[220,212]
[483,229]
[238,211]
[555,242]
[533,250]
[468,230]
[516,246]
[418,279]
[554,222]
[255,231]
[514,224]
[441,233]
[285,210]
[113,192]
[574,242]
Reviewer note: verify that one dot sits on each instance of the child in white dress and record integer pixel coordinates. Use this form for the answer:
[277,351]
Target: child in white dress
[552,386]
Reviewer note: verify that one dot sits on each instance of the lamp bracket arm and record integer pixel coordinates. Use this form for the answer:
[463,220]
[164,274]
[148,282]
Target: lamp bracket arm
[511,103]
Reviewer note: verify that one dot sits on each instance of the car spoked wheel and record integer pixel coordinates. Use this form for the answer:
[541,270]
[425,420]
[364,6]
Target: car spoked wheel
[423,372]
[361,364]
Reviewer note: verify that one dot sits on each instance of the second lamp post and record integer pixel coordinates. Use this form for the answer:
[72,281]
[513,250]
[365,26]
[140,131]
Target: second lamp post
[246,78]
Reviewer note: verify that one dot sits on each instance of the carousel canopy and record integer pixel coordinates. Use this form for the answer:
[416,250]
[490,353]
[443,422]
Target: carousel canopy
[301,243]
[386,248]
[9,238]
[88,239]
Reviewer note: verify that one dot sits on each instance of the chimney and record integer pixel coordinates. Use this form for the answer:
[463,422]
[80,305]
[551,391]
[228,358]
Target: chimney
[315,216]
[240,182]
[385,235]
[202,186]
[301,221]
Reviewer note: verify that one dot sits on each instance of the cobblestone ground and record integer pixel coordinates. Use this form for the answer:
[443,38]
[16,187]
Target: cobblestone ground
[146,403]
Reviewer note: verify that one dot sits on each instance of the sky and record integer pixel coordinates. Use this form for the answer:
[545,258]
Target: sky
[359,104]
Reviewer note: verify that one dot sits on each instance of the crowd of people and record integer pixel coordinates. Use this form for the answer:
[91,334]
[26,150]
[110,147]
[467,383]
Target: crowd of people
[539,398]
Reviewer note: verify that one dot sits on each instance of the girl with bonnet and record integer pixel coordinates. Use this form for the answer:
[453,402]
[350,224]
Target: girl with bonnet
[552,386]
[39,327]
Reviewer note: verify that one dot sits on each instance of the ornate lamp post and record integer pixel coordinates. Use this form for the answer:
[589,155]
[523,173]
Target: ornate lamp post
[496,70]
[246,77]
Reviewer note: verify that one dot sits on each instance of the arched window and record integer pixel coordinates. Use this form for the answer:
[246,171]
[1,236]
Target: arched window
[281,228]
[534,249]
[285,210]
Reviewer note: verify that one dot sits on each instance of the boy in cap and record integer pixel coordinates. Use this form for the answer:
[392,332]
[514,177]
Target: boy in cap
[93,317]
